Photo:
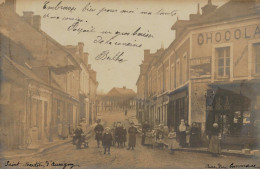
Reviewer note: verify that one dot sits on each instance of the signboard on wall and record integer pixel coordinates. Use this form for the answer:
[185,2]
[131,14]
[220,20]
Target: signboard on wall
[200,67]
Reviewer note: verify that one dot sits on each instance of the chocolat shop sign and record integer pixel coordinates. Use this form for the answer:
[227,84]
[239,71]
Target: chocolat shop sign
[227,35]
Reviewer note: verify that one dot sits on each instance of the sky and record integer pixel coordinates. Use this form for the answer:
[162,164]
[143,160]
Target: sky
[121,19]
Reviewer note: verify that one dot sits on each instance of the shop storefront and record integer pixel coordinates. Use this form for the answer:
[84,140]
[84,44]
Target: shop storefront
[235,107]
[178,107]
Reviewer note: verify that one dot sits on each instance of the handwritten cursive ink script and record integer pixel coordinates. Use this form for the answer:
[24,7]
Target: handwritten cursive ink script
[105,55]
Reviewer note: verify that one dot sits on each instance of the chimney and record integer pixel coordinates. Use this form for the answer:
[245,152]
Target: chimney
[85,59]
[37,22]
[28,17]
[146,54]
[11,4]
[208,8]
[196,16]
[81,47]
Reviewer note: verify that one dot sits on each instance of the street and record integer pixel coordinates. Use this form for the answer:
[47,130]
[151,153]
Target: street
[141,157]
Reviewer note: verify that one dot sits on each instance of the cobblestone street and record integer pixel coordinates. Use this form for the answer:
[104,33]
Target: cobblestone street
[141,157]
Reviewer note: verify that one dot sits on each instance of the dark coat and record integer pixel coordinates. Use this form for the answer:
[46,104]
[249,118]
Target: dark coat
[119,134]
[145,128]
[194,137]
[132,131]
[78,132]
[99,130]
[124,134]
[107,139]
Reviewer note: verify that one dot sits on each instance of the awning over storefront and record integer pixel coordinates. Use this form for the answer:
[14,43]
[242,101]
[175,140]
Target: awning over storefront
[242,87]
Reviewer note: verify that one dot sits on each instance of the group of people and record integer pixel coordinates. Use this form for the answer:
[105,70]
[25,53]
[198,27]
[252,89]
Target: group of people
[116,136]
[183,137]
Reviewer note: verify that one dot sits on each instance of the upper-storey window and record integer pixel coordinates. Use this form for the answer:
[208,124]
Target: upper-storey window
[223,61]
[256,55]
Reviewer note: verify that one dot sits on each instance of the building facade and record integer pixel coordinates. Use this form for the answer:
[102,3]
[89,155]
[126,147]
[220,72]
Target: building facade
[40,82]
[209,73]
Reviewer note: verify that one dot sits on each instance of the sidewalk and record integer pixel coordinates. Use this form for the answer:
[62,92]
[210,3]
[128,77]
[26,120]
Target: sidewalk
[226,152]
[44,147]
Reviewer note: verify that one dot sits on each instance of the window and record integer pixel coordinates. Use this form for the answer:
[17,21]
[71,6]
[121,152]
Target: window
[256,48]
[172,77]
[178,73]
[167,79]
[223,61]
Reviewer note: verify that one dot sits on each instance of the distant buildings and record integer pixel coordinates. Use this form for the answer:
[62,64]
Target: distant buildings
[209,73]
[117,99]
[46,88]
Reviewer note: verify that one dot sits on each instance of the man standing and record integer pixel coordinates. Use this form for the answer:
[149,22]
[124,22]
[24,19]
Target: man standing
[145,128]
[132,131]
[107,140]
[99,131]
[77,137]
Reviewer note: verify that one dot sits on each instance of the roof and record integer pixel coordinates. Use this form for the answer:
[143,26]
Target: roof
[36,41]
[121,92]
[230,10]
[233,9]
[25,71]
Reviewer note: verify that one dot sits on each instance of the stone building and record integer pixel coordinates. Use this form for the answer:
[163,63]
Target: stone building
[40,82]
[88,84]
[210,72]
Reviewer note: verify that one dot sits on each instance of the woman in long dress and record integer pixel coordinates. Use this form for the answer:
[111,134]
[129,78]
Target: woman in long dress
[173,144]
[182,131]
[214,144]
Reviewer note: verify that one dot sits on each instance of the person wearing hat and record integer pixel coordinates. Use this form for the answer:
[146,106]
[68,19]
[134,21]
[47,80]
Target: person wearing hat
[107,140]
[99,131]
[132,131]
[214,143]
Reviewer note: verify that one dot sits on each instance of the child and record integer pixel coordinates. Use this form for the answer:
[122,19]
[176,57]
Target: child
[173,143]
[107,140]
[148,138]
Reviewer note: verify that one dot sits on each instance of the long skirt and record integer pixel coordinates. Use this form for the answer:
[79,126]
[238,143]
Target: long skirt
[214,145]
[182,139]
[148,140]
[173,144]
[132,140]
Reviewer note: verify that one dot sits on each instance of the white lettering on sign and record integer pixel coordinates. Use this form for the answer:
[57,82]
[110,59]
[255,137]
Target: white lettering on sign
[200,61]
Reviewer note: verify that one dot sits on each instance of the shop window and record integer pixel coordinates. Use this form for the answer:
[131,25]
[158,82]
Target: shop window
[223,61]
[256,48]
[236,123]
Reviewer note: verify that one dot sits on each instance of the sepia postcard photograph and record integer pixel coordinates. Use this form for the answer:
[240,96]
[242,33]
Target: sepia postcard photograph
[129,84]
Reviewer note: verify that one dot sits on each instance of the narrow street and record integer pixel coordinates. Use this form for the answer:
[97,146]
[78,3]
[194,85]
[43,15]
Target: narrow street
[141,157]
